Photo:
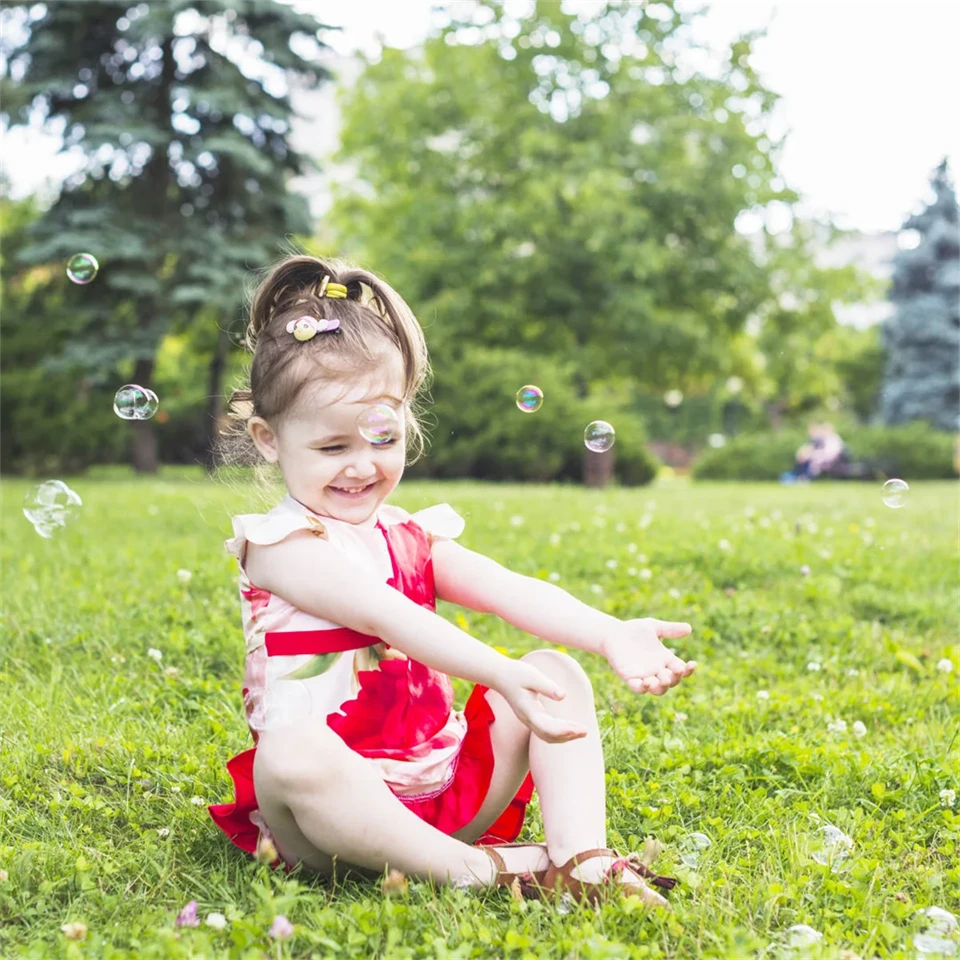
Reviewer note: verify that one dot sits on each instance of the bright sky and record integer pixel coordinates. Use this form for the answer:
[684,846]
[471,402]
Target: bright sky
[868,91]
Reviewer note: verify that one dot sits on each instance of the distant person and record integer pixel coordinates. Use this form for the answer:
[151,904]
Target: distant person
[361,761]
[824,450]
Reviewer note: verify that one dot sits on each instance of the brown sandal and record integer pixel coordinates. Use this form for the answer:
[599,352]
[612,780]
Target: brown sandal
[559,879]
[528,881]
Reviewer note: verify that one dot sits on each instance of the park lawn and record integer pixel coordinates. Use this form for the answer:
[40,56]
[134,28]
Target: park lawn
[109,755]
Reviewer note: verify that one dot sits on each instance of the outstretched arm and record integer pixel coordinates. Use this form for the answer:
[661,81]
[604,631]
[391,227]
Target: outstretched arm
[632,647]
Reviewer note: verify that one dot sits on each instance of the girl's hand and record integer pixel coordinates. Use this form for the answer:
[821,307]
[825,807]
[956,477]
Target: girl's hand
[522,688]
[635,652]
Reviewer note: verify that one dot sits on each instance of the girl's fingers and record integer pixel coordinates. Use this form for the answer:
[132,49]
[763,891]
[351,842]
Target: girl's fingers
[555,729]
[671,630]
[541,683]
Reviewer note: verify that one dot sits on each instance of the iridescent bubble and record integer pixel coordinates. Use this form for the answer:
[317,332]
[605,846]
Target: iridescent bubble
[717,440]
[692,846]
[82,267]
[935,932]
[379,424]
[51,506]
[529,398]
[673,398]
[830,846]
[599,436]
[133,402]
[895,493]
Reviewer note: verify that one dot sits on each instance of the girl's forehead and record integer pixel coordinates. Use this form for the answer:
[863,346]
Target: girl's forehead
[333,401]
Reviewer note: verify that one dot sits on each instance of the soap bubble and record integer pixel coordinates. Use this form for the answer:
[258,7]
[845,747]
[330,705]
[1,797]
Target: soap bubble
[529,398]
[691,846]
[717,440]
[935,932]
[82,267]
[599,436]
[284,703]
[379,424]
[50,507]
[830,846]
[895,493]
[133,402]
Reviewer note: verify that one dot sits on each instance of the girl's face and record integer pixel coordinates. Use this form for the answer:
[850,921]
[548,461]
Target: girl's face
[326,463]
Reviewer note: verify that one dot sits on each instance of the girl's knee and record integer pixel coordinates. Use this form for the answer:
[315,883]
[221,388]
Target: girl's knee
[308,755]
[562,668]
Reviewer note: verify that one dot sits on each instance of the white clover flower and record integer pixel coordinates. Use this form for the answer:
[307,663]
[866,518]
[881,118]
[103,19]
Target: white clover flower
[611,564]
[674,592]
[813,666]
[75,930]
[184,576]
[945,665]
[197,801]
[554,539]
[853,672]
[763,695]
[554,577]
[156,654]
[516,520]
[163,831]
[818,697]
[764,522]
[859,728]
[631,571]
[596,588]
[645,521]
[724,545]
[631,548]
[948,798]
[575,526]
[837,726]
[825,554]
[216,920]
[621,528]
[599,521]
[645,574]
[680,716]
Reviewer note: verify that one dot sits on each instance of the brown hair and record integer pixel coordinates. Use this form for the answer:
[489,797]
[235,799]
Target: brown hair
[373,320]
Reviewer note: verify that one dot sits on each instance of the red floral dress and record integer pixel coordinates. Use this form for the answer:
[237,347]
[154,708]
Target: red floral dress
[395,711]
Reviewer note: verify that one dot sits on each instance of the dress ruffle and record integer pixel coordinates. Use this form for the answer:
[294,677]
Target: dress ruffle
[449,810]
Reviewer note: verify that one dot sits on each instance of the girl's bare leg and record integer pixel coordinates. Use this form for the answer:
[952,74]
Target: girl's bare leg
[321,800]
[570,776]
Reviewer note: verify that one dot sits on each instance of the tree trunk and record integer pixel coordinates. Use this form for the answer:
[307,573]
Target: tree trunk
[218,364]
[597,467]
[144,437]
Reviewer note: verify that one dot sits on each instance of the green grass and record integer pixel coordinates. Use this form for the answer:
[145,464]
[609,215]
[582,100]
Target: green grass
[103,749]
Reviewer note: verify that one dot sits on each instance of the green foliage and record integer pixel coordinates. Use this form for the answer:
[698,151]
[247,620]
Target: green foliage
[180,117]
[105,749]
[922,338]
[479,432]
[914,452]
[538,184]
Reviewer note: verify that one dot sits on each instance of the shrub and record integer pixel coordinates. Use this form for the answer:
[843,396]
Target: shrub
[916,452]
[477,431]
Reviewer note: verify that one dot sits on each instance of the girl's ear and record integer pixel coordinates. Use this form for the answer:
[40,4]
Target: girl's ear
[264,438]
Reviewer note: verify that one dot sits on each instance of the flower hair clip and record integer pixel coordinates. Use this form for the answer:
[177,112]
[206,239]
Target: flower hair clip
[306,328]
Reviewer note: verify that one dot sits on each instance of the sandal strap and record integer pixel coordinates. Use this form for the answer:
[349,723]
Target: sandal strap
[631,861]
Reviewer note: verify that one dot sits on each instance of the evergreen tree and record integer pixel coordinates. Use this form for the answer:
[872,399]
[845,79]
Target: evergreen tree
[181,114]
[922,338]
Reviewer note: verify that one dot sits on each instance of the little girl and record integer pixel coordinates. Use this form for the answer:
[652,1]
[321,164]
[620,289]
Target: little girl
[359,755]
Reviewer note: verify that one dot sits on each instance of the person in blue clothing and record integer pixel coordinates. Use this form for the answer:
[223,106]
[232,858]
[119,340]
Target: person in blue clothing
[822,452]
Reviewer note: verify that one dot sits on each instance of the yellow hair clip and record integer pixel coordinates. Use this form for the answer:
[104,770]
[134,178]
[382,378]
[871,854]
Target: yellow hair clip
[333,291]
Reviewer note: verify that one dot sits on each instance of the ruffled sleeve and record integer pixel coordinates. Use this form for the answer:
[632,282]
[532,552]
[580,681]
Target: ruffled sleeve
[264,528]
[440,521]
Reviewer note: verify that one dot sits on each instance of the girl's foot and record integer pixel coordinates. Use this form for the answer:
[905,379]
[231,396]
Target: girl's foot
[587,875]
[527,861]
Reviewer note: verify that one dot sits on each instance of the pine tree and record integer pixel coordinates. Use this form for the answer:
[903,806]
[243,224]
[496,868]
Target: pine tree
[922,337]
[181,113]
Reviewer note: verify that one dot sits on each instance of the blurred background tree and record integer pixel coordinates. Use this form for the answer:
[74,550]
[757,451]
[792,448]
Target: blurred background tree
[565,186]
[922,338]
[180,114]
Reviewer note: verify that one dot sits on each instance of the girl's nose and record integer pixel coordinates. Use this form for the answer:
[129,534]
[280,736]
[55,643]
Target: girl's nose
[361,468]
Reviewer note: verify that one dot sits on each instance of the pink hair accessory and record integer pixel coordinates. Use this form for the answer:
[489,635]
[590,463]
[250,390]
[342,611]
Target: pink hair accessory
[306,328]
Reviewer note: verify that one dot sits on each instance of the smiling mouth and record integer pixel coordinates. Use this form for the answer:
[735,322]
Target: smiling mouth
[353,493]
